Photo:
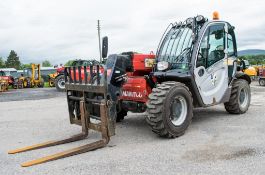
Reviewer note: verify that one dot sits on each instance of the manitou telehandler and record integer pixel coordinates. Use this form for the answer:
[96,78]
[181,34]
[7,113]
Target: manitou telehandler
[195,66]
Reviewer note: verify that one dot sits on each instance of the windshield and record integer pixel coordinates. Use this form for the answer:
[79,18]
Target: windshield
[176,42]
[2,73]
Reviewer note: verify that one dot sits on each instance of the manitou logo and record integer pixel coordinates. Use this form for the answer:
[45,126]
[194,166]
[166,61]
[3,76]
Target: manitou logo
[132,94]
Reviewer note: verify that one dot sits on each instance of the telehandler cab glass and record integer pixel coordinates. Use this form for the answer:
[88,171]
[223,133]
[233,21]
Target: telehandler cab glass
[178,40]
[177,44]
[212,46]
[231,42]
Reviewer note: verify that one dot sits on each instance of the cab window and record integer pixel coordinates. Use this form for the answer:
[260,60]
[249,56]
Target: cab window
[212,46]
[231,42]
[216,44]
[203,51]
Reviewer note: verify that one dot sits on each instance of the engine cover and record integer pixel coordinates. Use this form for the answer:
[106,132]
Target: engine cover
[135,89]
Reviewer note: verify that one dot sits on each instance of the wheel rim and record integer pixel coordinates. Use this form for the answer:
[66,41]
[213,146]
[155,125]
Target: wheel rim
[243,97]
[61,84]
[25,83]
[262,82]
[178,110]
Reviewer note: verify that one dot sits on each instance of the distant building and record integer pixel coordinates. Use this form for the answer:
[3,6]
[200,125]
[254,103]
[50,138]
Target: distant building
[19,72]
[47,70]
[9,71]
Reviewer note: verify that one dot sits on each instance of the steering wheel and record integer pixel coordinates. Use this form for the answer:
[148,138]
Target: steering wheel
[219,48]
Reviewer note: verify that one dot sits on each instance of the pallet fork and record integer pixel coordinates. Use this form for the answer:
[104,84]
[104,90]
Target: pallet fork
[79,104]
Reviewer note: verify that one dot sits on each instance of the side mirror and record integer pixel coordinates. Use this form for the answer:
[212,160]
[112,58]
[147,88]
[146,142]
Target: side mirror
[105,47]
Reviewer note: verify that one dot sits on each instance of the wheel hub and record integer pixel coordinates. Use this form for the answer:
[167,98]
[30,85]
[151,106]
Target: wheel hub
[178,111]
[61,84]
[243,97]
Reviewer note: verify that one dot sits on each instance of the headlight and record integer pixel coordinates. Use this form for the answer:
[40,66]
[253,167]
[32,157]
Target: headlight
[163,65]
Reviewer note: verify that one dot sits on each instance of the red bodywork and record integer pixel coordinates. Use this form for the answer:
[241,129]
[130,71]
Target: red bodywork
[262,72]
[8,78]
[101,70]
[136,88]
[60,70]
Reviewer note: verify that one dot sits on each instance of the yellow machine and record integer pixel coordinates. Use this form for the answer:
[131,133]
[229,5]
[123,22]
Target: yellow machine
[30,78]
[33,78]
[52,79]
[3,85]
[250,71]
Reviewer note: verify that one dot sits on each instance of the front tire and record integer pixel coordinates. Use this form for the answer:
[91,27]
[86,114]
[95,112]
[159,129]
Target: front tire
[26,83]
[60,83]
[240,97]
[41,84]
[170,109]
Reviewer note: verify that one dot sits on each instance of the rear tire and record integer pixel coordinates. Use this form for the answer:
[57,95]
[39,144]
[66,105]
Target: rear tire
[262,81]
[15,83]
[240,97]
[41,84]
[20,84]
[121,115]
[51,82]
[170,109]
[60,83]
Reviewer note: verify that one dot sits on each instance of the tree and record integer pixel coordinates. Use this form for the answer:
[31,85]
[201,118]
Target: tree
[69,63]
[25,66]
[2,63]
[13,60]
[254,59]
[46,63]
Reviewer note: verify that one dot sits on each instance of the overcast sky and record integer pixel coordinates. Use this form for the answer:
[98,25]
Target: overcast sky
[59,30]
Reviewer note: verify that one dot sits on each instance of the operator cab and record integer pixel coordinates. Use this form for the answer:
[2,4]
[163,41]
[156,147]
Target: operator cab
[2,73]
[200,53]
[196,67]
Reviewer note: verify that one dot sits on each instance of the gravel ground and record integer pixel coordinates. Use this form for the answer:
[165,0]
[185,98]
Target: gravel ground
[29,94]
[215,143]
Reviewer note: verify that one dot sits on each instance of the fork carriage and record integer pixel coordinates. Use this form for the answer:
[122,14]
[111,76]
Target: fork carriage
[89,106]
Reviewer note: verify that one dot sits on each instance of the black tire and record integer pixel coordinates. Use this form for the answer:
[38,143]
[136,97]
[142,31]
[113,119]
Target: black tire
[121,115]
[41,84]
[15,83]
[26,83]
[262,81]
[159,111]
[60,83]
[20,84]
[51,82]
[234,105]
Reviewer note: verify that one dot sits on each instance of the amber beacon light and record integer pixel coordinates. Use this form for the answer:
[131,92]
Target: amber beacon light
[215,15]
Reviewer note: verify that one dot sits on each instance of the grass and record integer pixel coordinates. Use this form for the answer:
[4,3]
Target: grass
[46,84]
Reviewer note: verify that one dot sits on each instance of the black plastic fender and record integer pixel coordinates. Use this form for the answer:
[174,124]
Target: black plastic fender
[241,75]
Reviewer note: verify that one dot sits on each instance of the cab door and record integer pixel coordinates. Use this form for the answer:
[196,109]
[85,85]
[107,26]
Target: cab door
[211,71]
